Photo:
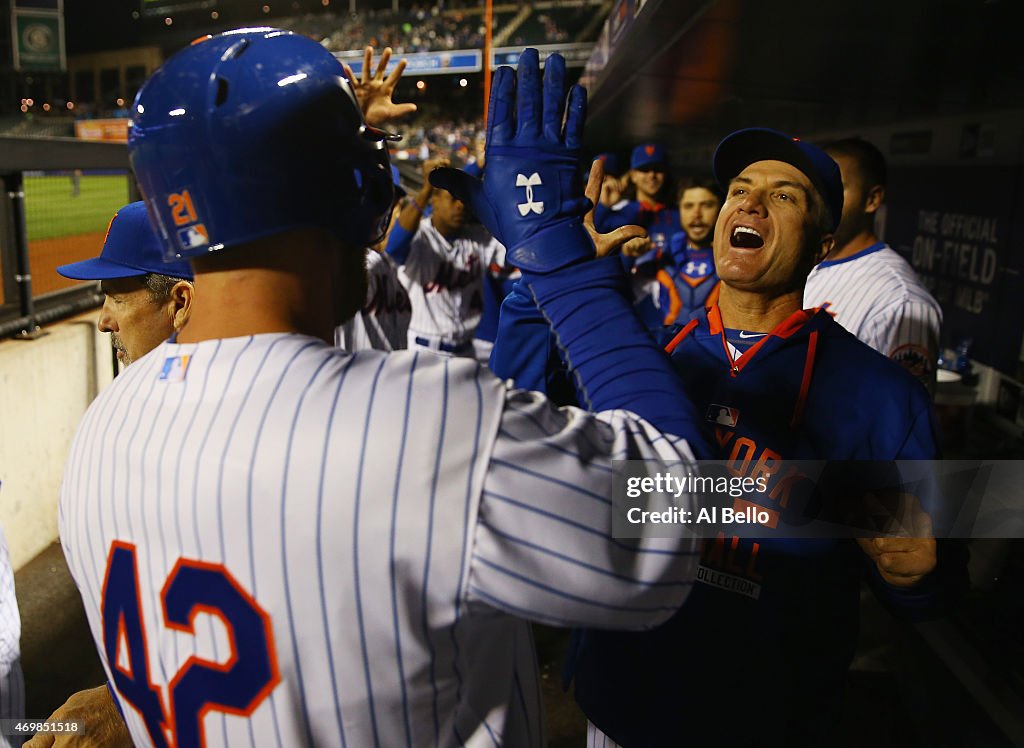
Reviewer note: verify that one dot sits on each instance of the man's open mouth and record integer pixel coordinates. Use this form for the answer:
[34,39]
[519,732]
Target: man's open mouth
[746,238]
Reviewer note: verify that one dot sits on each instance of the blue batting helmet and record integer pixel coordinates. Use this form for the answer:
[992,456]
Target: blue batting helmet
[251,133]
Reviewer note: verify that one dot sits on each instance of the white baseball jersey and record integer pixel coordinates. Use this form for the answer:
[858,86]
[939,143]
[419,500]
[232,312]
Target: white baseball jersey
[383,322]
[12,684]
[279,543]
[445,281]
[876,295]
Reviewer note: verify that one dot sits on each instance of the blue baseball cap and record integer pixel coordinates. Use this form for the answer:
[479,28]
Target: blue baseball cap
[611,163]
[648,154]
[131,248]
[744,147]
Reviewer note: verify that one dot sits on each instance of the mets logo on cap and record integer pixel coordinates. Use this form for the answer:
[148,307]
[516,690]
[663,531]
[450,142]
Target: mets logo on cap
[191,232]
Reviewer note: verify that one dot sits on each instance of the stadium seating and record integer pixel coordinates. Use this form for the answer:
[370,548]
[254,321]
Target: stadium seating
[426,28]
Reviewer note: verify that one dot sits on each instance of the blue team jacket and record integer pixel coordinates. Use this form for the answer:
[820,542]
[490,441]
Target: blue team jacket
[770,629]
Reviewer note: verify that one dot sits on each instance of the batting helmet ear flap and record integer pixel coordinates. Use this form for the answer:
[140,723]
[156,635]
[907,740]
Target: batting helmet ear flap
[252,133]
[377,189]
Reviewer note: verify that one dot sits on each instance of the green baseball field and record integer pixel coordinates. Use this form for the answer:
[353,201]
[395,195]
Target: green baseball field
[67,222]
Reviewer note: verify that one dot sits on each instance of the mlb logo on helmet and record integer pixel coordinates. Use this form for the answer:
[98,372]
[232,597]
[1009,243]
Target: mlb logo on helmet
[722,415]
[193,236]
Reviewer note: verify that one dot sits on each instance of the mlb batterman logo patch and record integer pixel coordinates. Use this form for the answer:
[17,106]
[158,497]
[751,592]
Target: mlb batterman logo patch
[174,369]
[722,415]
[191,233]
[193,236]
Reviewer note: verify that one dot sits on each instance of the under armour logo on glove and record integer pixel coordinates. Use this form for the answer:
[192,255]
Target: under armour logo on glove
[534,138]
[529,182]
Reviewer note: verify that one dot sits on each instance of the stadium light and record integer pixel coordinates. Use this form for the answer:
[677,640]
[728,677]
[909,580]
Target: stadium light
[325,3]
[120,101]
[266,8]
[24,108]
[214,15]
[421,85]
[71,105]
[463,82]
[46,107]
[30,102]
[168,21]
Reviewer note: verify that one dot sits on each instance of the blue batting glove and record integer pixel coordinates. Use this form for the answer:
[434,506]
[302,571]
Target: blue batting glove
[531,198]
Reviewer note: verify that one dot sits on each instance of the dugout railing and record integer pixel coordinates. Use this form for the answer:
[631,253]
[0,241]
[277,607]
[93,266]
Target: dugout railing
[59,196]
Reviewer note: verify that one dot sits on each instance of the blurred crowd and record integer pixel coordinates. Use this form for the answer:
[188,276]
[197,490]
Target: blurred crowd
[433,137]
[428,27]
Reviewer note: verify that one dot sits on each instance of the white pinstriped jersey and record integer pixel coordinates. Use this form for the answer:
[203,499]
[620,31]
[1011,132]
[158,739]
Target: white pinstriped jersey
[12,684]
[340,549]
[383,322]
[876,295]
[445,281]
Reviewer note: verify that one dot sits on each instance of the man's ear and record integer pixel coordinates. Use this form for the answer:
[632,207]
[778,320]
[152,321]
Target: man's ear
[180,303]
[828,243]
[875,198]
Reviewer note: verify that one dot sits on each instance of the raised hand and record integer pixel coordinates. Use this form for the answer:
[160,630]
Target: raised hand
[627,239]
[530,198]
[441,162]
[373,92]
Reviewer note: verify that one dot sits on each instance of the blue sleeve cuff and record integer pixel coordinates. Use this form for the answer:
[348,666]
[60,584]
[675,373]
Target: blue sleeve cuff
[552,249]
[399,243]
[522,345]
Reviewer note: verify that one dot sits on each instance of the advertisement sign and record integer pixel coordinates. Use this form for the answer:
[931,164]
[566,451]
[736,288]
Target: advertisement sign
[110,130]
[953,224]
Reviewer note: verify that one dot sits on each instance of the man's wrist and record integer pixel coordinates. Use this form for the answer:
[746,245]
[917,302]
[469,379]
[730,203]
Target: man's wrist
[422,198]
[553,248]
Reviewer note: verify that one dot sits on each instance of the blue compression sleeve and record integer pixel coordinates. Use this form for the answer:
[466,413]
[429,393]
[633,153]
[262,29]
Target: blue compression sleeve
[616,363]
[399,243]
[523,342]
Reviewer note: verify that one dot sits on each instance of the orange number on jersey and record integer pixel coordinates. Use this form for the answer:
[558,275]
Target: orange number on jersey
[181,208]
[237,686]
